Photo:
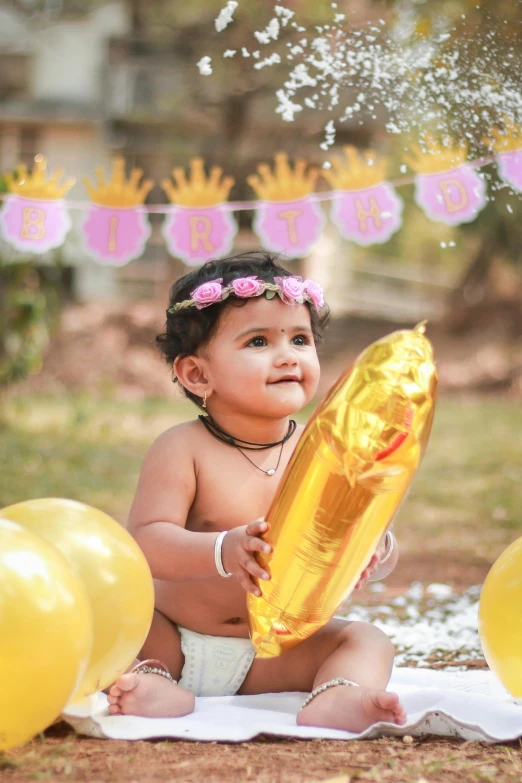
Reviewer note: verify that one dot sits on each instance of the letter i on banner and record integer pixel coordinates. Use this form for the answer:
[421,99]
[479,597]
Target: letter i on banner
[116,227]
[447,188]
[365,209]
[289,220]
[35,218]
[200,225]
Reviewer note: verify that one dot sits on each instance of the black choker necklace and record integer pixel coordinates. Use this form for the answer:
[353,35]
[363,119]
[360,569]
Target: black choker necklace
[241,444]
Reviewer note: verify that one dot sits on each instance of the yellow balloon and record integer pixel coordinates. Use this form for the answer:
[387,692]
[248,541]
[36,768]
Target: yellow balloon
[45,633]
[342,487]
[500,618]
[114,571]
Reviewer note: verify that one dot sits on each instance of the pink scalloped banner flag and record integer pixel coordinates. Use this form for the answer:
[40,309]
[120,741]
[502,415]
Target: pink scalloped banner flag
[510,168]
[34,225]
[115,235]
[369,216]
[199,233]
[451,197]
[289,227]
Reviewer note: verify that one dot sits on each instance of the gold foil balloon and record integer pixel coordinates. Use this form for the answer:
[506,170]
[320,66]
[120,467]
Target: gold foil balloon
[500,618]
[114,571]
[45,633]
[342,487]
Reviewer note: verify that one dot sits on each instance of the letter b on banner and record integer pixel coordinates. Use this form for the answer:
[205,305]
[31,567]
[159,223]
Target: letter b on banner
[34,226]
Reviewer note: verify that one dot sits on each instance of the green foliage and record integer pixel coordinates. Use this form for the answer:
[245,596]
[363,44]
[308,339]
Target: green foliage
[24,322]
[28,307]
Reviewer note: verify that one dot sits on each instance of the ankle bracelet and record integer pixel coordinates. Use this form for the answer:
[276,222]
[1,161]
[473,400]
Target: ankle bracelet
[144,667]
[325,686]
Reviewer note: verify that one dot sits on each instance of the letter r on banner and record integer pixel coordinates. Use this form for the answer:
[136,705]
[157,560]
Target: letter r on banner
[33,225]
[200,228]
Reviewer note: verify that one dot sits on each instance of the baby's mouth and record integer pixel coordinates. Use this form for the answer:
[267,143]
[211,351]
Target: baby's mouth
[287,379]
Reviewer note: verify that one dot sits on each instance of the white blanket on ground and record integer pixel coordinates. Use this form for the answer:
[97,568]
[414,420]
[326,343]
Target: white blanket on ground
[469,704]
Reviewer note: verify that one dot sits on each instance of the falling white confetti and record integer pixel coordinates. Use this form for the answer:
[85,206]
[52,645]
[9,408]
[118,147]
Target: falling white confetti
[225,16]
[205,66]
[449,82]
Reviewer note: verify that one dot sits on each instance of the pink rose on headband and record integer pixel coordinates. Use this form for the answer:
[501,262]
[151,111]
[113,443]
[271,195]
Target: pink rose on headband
[207,293]
[315,292]
[292,289]
[246,286]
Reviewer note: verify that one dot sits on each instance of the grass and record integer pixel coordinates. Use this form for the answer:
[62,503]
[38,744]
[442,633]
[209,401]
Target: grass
[464,501]
[466,498]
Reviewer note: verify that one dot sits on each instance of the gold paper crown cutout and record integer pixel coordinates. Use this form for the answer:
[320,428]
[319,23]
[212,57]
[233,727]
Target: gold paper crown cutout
[283,183]
[34,184]
[118,191]
[436,157]
[197,191]
[360,170]
[506,139]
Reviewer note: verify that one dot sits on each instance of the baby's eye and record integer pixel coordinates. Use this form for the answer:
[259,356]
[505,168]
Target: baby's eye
[301,339]
[257,342]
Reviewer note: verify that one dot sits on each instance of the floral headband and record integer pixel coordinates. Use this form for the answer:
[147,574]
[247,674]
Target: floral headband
[291,290]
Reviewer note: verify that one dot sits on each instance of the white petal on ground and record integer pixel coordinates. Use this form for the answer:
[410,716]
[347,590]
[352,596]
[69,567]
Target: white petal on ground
[428,624]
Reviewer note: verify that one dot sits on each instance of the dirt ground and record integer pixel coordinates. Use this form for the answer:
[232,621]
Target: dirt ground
[60,756]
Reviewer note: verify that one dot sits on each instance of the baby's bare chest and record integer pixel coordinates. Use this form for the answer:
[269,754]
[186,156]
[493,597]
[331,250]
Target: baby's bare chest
[231,490]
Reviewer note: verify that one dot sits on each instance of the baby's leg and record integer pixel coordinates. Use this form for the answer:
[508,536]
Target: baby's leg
[355,651]
[151,695]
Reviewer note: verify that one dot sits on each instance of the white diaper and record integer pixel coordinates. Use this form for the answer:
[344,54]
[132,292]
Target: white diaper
[214,665]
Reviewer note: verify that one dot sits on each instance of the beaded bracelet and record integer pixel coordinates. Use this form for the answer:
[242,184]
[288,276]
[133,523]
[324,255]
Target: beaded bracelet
[326,685]
[144,667]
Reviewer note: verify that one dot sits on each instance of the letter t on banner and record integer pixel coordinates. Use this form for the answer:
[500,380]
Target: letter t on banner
[289,221]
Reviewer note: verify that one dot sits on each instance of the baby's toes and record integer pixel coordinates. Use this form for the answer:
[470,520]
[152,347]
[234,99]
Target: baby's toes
[128,704]
[114,709]
[400,715]
[124,683]
[388,705]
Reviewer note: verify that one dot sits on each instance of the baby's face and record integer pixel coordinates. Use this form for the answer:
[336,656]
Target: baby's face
[263,360]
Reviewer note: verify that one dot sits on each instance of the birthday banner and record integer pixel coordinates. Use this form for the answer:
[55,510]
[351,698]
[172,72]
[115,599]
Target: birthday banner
[199,223]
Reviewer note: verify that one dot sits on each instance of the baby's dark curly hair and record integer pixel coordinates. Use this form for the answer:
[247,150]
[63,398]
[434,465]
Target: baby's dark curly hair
[190,329]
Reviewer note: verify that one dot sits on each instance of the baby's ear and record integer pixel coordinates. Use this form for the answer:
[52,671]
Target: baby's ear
[190,372]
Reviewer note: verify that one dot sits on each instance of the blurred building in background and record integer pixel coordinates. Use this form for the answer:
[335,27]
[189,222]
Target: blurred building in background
[80,86]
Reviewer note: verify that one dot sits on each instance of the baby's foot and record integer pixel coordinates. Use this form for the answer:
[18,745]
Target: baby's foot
[149,695]
[352,709]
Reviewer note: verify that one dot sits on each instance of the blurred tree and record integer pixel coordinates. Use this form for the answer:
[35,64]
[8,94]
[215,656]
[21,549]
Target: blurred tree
[29,308]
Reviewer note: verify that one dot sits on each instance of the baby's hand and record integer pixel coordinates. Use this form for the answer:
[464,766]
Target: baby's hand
[373,565]
[237,551]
